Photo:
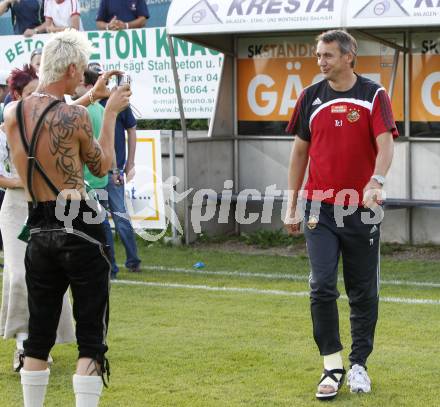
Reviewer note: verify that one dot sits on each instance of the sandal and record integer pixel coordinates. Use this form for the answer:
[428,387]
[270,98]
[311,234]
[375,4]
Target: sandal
[338,383]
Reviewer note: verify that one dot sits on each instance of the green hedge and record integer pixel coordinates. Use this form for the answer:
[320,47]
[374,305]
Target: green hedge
[193,124]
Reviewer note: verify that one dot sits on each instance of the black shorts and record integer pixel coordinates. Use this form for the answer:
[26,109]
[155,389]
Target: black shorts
[57,257]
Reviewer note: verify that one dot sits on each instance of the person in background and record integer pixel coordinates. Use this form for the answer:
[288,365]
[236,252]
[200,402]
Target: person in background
[14,313]
[6,97]
[118,15]
[36,59]
[96,113]
[35,62]
[4,91]
[62,14]
[27,16]
[125,122]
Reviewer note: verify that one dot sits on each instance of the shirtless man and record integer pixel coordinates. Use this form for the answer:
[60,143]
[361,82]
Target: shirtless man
[59,255]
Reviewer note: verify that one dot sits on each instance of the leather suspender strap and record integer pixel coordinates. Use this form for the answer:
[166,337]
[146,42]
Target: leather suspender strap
[33,146]
[21,126]
[30,149]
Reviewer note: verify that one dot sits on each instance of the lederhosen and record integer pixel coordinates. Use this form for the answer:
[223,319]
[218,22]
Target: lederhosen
[58,256]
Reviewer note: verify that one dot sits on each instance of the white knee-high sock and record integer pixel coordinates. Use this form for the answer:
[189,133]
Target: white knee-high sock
[34,385]
[333,361]
[87,390]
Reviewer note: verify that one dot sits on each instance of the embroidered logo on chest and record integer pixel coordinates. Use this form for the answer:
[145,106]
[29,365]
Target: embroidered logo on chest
[339,109]
[353,115]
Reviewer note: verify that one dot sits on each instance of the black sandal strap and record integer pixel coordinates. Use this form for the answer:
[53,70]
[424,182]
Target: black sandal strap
[101,368]
[331,373]
[21,362]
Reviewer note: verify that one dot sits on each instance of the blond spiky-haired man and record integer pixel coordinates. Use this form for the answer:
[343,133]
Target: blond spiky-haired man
[50,142]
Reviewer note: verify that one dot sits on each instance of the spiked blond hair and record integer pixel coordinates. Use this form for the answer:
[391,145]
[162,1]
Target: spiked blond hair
[63,49]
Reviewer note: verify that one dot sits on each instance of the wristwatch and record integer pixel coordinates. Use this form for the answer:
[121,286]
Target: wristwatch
[379,179]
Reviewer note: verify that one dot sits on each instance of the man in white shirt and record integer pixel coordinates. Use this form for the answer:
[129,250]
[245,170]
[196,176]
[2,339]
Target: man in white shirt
[61,14]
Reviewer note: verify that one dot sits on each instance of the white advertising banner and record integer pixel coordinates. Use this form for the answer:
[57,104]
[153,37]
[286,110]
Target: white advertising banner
[393,13]
[248,16]
[204,16]
[145,55]
[144,193]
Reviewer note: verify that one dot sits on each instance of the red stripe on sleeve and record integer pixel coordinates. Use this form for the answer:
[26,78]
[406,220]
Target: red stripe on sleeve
[384,114]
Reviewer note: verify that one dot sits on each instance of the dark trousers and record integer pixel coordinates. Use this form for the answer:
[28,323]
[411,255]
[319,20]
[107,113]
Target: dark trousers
[359,245]
[55,258]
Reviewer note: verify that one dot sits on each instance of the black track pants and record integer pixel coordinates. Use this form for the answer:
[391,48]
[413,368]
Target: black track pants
[359,245]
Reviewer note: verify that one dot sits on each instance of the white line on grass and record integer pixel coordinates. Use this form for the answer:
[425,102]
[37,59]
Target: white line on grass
[396,300]
[211,288]
[277,276]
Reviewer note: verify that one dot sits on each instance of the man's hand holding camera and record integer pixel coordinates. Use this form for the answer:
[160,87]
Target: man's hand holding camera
[100,90]
[119,99]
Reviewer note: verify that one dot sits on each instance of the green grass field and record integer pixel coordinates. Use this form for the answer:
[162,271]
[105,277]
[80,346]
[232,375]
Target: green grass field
[238,333]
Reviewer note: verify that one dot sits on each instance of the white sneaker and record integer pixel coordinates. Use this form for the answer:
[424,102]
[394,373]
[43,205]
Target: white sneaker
[17,362]
[358,380]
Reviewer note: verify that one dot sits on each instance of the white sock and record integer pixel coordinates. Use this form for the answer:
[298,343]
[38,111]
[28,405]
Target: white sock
[87,390]
[34,385]
[20,338]
[333,361]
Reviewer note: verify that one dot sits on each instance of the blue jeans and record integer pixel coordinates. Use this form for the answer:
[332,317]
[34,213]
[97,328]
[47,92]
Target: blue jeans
[115,205]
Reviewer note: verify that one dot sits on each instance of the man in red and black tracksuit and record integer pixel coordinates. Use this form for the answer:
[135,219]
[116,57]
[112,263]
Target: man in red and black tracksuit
[344,129]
